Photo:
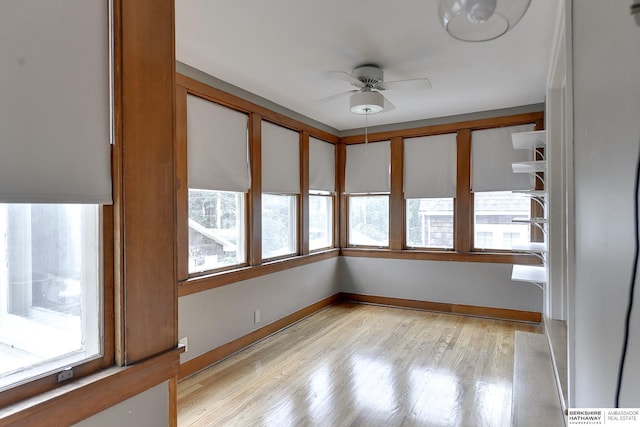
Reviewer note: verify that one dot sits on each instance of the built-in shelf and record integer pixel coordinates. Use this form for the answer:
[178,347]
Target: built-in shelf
[530,220]
[531,247]
[532,193]
[534,141]
[529,167]
[529,140]
[529,273]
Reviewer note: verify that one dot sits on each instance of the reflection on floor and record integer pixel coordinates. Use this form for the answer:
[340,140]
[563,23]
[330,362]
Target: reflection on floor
[364,365]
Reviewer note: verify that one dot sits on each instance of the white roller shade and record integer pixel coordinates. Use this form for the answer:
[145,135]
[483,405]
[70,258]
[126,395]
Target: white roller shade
[492,154]
[368,168]
[280,159]
[217,147]
[54,103]
[322,165]
[430,166]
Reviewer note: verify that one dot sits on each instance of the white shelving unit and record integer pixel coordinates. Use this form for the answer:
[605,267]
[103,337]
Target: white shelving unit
[532,247]
[529,167]
[534,141]
[535,274]
[529,140]
[532,193]
[531,220]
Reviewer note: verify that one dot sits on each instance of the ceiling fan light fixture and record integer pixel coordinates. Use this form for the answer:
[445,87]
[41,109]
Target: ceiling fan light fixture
[480,20]
[368,102]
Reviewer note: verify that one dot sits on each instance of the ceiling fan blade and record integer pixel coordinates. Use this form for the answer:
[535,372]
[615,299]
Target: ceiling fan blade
[347,77]
[336,96]
[388,106]
[409,84]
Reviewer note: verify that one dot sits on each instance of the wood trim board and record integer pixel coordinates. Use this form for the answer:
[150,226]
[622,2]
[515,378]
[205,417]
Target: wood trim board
[478,124]
[213,356]
[471,310]
[192,366]
[76,401]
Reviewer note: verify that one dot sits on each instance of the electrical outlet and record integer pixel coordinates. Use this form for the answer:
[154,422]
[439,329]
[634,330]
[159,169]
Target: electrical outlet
[257,316]
[185,342]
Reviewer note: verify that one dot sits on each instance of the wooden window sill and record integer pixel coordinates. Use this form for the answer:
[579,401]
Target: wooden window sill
[215,280]
[76,400]
[497,257]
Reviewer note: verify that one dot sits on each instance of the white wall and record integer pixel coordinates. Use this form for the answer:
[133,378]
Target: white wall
[479,284]
[606,66]
[559,168]
[148,409]
[214,317]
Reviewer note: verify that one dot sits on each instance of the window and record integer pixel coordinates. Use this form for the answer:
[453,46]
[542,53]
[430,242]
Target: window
[495,205]
[55,179]
[367,184]
[50,288]
[429,223]
[320,221]
[216,230]
[494,215]
[429,189]
[218,182]
[484,239]
[281,187]
[279,225]
[369,220]
[322,186]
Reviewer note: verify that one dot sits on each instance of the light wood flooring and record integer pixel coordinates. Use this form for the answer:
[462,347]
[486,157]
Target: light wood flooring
[363,365]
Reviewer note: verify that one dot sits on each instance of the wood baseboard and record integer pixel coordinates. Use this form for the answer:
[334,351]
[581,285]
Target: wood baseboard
[198,363]
[471,310]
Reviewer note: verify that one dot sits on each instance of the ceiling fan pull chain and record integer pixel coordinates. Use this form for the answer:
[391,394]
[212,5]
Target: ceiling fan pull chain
[366,124]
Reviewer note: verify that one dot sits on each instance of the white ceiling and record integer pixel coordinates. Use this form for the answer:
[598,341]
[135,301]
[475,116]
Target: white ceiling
[282,50]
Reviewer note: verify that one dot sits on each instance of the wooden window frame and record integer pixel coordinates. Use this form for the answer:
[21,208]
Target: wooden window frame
[425,248]
[333,198]
[463,202]
[246,244]
[138,283]
[463,250]
[298,237]
[348,198]
[256,266]
[49,381]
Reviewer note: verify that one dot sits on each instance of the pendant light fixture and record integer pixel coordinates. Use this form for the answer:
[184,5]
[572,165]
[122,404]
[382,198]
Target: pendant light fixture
[480,20]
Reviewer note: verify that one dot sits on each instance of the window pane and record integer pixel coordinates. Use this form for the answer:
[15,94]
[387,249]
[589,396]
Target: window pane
[320,221]
[430,223]
[49,288]
[216,229]
[279,225]
[369,220]
[494,214]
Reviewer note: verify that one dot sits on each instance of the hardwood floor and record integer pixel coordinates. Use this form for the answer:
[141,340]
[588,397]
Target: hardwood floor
[363,365]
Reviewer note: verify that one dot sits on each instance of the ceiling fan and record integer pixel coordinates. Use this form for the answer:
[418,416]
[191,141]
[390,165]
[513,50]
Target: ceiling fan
[369,81]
